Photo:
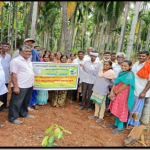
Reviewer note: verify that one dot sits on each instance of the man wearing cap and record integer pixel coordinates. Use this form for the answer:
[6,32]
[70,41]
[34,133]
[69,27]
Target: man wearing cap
[88,80]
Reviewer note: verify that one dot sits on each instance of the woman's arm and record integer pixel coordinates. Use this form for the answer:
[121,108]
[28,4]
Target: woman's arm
[112,94]
[90,71]
[121,89]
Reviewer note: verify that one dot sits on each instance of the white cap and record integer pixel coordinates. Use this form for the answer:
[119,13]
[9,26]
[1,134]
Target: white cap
[29,39]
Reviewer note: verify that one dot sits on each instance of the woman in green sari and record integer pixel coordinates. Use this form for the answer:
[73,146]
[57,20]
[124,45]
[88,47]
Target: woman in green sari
[122,96]
[59,97]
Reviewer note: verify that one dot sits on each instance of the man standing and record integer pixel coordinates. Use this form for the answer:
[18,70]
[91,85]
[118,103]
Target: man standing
[106,57]
[5,61]
[0,48]
[141,70]
[37,48]
[2,86]
[88,80]
[117,69]
[90,49]
[78,60]
[113,58]
[22,77]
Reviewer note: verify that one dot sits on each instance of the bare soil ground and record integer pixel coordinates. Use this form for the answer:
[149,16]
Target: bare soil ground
[85,132]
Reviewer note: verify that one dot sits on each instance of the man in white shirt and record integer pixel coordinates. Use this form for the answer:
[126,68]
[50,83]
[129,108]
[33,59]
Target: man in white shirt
[3,88]
[22,77]
[141,93]
[88,80]
[79,60]
[5,61]
[86,57]
[117,69]
[106,57]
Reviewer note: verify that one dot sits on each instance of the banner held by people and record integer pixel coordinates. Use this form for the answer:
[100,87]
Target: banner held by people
[54,76]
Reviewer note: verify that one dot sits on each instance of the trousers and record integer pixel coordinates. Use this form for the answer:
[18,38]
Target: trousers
[118,123]
[19,103]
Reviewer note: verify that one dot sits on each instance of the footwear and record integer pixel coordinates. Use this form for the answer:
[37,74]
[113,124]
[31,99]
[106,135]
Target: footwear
[71,102]
[108,114]
[111,126]
[36,107]
[16,121]
[99,120]
[1,125]
[80,103]
[92,117]
[29,116]
[5,109]
[89,109]
[81,107]
[115,131]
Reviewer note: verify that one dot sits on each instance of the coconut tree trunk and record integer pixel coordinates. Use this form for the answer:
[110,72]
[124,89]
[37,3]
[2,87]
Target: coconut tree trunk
[65,28]
[101,35]
[123,29]
[9,27]
[93,36]
[29,20]
[16,27]
[82,34]
[147,40]
[34,18]
[12,33]
[60,39]
[96,36]
[2,24]
[133,28]
[71,31]
[113,43]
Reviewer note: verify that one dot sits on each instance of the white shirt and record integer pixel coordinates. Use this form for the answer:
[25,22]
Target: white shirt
[24,70]
[5,63]
[86,57]
[85,76]
[140,83]
[78,61]
[3,88]
[117,68]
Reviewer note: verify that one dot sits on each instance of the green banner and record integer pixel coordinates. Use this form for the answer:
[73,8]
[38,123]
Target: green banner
[55,76]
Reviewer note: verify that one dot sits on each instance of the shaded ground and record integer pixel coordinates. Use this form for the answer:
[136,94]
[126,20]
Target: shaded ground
[85,132]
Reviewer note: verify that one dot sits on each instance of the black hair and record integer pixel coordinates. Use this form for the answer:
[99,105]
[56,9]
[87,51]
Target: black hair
[4,43]
[144,52]
[36,46]
[107,53]
[110,63]
[46,55]
[113,53]
[52,53]
[72,54]
[81,51]
[47,51]
[58,52]
[129,63]
[63,56]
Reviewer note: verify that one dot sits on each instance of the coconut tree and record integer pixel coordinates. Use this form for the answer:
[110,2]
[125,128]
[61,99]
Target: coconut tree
[123,29]
[29,19]
[65,28]
[34,18]
[9,28]
[133,28]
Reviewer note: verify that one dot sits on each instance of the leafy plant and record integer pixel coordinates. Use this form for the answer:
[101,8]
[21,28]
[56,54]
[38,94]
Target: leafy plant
[48,140]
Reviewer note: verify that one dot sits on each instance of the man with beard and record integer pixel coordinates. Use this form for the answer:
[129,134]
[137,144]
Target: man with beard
[88,80]
[79,60]
[141,70]
[113,58]
[117,69]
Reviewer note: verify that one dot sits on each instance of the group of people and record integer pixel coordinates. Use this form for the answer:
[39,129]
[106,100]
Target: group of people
[112,83]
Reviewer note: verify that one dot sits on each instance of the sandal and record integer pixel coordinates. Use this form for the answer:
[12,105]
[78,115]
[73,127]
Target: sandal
[36,107]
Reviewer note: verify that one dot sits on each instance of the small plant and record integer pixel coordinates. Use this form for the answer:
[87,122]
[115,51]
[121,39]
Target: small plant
[48,140]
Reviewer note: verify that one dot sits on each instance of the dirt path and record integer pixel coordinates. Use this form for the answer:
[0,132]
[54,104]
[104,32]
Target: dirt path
[85,132]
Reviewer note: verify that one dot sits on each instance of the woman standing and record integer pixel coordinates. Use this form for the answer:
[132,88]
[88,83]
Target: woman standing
[72,57]
[122,96]
[52,57]
[59,97]
[42,96]
[47,52]
[100,89]
[58,55]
